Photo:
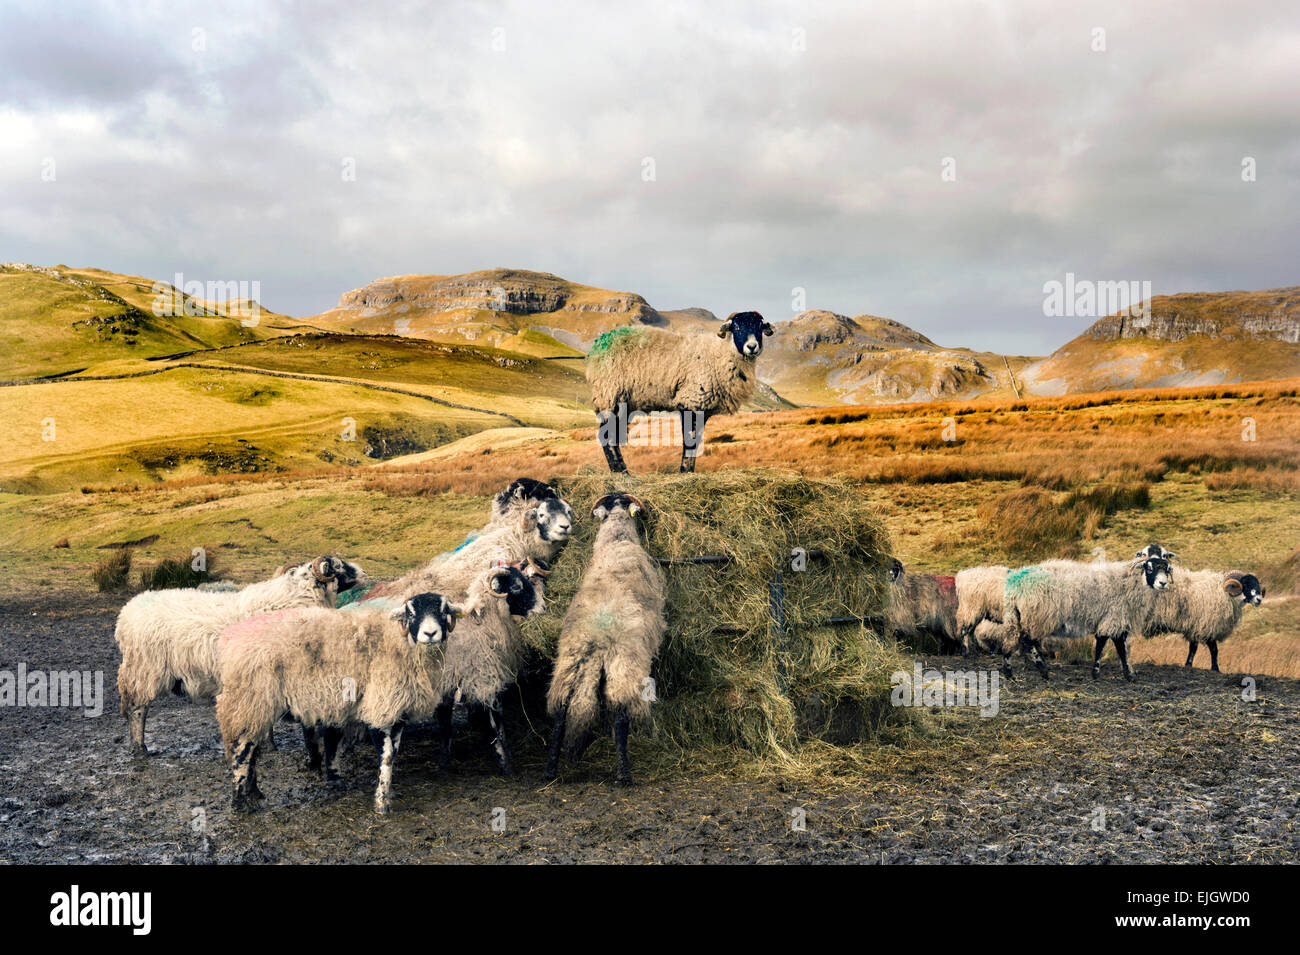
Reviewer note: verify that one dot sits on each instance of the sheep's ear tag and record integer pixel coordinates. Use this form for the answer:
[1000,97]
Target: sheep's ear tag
[1233,587]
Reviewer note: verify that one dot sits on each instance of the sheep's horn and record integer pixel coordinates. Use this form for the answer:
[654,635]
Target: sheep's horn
[492,574]
[636,500]
[602,502]
[539,567]
[724,329]
[319,568]
[1232,587]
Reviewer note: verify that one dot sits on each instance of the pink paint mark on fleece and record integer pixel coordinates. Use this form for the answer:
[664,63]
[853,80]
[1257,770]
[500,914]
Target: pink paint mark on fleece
[947,584]
[255,626]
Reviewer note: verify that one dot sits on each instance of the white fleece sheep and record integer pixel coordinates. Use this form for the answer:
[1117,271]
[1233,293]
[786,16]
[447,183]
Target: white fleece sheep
[1205,607]
[330,669]
[170,638]
[1064,599]
[979,599]
[609,637]
[639,369]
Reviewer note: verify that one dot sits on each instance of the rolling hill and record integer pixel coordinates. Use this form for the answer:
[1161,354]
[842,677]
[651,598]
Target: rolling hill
[1201,338]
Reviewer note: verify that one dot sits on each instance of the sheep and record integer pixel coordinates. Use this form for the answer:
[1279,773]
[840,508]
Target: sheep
[637,369]
[1062,598]
[327,669]
[538,534]
[609,638]
[921,604]
[1205,607]
[520,495]
[979,599]
[169,638]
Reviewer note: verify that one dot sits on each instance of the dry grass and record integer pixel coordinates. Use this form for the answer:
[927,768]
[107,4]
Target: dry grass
[760,688]
[112,572]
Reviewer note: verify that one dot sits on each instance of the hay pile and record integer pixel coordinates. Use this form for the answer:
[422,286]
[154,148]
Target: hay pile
[761,689]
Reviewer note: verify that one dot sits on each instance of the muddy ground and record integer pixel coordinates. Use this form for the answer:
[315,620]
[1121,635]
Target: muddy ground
[1181,767]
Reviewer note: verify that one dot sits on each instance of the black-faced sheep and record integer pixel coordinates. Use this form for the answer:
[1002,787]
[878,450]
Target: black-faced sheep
[1061,599]
[1205,607]
[609,638]
[635,369]
[170,638]
[329,669]
[922,604]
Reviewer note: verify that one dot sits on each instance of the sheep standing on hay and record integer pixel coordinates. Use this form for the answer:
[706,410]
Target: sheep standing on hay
[636,369]
[1205,607]
[170,638]
[921,604]
[979,599]
[379,668]
[1063,598]
[609,637]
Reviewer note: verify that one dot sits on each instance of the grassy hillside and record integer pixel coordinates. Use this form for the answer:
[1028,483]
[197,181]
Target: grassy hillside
[60,320]
[189,421]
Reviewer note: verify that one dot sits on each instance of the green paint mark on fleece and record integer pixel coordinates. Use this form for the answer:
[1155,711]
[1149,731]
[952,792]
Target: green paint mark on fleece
[611,340]
[1020,580]
[352,596]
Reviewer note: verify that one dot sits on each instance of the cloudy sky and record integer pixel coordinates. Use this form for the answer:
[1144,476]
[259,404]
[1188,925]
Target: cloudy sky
[714,154]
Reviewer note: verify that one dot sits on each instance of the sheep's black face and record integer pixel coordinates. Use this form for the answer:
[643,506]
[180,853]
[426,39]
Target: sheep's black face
[522,594]
[895,569]
[347,574]
[746,330]
[428,618]
[525,489]
[1157,572]
[1155,550]
[1252,591]
[607,505]
[554,519]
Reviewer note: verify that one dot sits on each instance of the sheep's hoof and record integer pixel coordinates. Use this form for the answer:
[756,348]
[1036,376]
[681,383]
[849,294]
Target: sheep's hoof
[383,808]
[139,751]
[623,779]
[245,805]
[1215,669]
[333,780]
[1096,672]
[1128,676]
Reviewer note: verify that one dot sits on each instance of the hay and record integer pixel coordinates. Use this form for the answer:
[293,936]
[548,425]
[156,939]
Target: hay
[760,688]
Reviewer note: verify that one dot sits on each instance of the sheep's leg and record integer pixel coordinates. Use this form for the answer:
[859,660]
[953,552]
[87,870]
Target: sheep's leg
[1096,657]
[331,736]
[1007,672]
[692,438]
[1121,649]
[557,741]
[1214,654]
[443,712]
[607,436]
[242,765]
[253,789]
[505,759]
[623,777]
[387,745]
[1033,652]
[1191,652]
[315,748]
[135,723]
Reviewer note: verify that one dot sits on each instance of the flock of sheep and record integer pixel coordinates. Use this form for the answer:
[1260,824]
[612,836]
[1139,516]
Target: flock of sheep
[1000,610]
[321,644]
